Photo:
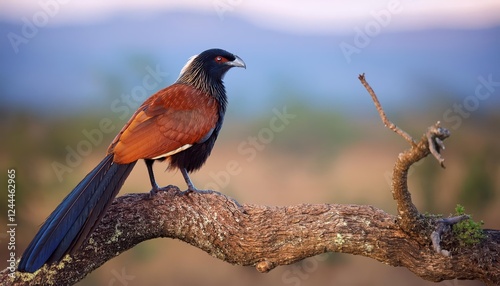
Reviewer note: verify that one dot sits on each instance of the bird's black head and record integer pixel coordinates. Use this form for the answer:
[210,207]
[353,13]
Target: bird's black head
[206,70]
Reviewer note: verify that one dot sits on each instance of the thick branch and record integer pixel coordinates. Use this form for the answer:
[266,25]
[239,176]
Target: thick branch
[410,218]
[264,237]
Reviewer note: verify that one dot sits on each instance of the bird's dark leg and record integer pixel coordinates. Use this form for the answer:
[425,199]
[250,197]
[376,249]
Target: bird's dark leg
[191,187]
[154,185]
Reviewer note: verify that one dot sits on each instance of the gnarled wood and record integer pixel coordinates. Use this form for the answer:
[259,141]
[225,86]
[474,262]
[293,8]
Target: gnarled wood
[265,237]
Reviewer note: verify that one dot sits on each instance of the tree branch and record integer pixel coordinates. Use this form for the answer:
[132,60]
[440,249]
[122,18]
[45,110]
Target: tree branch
[263,236]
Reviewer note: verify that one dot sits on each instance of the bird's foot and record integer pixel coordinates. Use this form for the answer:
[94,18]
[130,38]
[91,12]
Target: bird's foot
[187,192]
[192,189]
[155,190]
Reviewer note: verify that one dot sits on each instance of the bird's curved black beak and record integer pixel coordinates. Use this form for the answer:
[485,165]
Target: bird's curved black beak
[238,62]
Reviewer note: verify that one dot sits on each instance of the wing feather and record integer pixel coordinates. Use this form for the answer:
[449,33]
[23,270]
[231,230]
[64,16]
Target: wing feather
[169,120]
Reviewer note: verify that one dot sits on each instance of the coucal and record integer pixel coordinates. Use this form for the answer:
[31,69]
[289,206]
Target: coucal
[179,123]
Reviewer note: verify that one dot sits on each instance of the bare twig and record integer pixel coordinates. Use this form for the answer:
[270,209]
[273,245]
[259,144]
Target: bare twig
[442,226]
[381,112]
[432,142]
[410,218]
[435,136]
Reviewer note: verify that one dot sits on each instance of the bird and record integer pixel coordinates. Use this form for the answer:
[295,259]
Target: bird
[179,124]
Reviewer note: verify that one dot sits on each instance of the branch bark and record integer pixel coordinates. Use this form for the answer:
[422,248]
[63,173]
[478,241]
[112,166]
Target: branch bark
[266,237]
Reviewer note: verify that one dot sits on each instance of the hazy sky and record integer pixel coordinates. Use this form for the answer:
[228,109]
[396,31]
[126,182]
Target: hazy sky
[289,15]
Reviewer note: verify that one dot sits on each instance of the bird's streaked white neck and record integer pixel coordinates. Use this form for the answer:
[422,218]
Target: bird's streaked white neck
[185,67]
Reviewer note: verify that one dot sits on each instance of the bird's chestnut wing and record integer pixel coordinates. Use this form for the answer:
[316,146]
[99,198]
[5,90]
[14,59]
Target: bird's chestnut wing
[166,123]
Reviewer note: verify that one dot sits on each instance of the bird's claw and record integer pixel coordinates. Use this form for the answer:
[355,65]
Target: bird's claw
[193,189]
[188,191]
[153,192]
[156,190]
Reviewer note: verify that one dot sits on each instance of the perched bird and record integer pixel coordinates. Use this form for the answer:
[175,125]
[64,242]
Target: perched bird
[179,123]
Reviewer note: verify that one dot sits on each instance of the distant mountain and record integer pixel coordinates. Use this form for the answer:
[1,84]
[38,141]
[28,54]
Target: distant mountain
[89,66]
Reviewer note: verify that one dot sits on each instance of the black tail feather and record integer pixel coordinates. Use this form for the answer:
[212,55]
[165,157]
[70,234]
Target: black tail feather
[75,218]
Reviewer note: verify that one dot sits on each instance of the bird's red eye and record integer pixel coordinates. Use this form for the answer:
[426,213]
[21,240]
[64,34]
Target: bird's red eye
[220,59]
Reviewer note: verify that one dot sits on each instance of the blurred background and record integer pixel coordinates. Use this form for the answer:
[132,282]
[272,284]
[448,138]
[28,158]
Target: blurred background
[73,72]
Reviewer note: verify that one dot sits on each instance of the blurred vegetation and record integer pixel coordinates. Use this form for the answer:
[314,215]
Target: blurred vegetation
[35,141]
[313,132]
[478,185]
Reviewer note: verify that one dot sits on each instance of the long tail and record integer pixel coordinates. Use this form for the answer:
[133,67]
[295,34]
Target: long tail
[75,218]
